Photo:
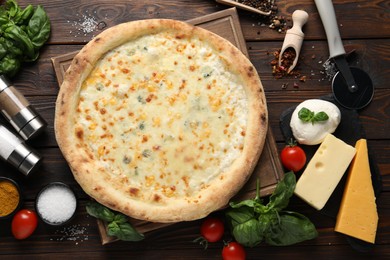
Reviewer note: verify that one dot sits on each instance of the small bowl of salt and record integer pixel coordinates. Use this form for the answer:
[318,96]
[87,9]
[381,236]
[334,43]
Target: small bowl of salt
[56,204]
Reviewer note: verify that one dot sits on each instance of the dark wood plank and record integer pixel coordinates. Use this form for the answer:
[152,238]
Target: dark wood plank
[363,26]
[357,19]
[180,236]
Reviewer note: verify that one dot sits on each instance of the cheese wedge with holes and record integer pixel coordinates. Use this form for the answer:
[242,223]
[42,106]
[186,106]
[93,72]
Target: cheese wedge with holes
[324,171]
[358,216]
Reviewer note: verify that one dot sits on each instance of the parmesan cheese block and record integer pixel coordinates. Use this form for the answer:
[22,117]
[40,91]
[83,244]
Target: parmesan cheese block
[324,171]
[358,216]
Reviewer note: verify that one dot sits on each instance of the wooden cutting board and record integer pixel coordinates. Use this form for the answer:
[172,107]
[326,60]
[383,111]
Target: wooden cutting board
[269,169]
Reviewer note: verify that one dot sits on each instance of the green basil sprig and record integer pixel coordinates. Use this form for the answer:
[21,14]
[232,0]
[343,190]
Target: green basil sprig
[22,33]
[306,115]
[253,222]
[118,225]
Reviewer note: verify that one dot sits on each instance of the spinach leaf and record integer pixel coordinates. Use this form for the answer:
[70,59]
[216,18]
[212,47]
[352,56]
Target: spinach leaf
[293,228]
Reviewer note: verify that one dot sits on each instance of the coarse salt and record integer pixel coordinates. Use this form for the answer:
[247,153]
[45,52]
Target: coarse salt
[56,204]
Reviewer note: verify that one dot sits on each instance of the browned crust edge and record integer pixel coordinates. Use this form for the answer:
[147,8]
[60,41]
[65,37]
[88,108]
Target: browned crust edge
[82,167]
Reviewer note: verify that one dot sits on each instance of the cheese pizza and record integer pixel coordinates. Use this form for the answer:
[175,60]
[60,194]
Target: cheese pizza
[161,120]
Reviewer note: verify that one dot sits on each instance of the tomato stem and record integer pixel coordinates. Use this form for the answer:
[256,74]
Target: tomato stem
[202,241]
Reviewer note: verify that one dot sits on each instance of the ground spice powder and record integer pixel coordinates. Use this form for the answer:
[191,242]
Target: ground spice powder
[9,198]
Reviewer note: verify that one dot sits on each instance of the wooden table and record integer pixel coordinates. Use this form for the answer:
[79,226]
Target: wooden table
[364,26]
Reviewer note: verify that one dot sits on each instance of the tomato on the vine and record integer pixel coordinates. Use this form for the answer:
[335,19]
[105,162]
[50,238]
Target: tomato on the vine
[24,223]
[293,157]
[212,229]
[233,251]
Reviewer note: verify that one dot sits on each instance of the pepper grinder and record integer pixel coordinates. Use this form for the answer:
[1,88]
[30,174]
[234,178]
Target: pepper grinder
[18,111]
[14,151]
[294,36]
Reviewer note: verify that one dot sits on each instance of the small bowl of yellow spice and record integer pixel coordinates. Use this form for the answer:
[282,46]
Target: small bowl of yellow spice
[10,197]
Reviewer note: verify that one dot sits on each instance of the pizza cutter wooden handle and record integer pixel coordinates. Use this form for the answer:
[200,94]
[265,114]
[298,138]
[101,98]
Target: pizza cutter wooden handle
[326,10]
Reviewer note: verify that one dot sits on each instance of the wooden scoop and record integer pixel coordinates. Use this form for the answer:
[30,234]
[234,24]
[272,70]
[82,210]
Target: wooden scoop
[242,6]
[294,36]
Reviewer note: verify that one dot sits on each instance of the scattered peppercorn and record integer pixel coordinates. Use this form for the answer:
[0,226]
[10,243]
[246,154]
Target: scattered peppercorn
[275,22]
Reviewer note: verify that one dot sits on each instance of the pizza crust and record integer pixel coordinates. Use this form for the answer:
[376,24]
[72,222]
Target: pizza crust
[110,190]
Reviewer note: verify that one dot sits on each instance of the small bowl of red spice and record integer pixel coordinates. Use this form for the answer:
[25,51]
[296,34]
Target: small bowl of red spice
[10,197]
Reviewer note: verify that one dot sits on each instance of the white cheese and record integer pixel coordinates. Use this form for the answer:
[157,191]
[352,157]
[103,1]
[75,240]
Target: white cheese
[324,171]
[156,128]
[314,133]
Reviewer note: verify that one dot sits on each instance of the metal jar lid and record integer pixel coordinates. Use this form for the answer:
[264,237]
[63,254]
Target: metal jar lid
[24,159]
[28,123]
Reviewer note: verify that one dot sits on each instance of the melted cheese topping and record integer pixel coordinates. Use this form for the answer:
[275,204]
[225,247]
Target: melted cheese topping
[162,116]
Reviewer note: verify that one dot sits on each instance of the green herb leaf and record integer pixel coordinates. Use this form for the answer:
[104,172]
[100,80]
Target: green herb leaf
[23,32]
[293,228]
[118,224]
[99,211]
[252,222]
[249,233]
[124,231]
[237,216]
[320,116]
[283,192]
[39,27]
[306,115]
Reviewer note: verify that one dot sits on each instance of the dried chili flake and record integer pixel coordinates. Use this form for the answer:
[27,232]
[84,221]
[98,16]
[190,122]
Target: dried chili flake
[287,59]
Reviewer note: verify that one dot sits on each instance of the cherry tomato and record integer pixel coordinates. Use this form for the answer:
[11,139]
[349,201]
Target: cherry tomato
[293,157]
[212,229]
[24,223]
[233,251]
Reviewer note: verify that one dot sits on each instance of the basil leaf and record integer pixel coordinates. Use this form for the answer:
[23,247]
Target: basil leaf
[19,36]
[247,203]
[120,218]
[124,231]
[293,228]
[320,116]
[9,66]
[12,8]
[25,15]
[113,229]
[305,114]
[99,211]
[283,192]
[248,233]
[39,27]
[238,216]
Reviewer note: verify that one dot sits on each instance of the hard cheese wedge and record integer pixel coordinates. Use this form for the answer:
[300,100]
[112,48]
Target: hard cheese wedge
[324,171]
[358,216]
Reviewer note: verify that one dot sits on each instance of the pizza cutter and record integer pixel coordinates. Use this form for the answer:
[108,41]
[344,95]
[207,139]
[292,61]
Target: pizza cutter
[352,87]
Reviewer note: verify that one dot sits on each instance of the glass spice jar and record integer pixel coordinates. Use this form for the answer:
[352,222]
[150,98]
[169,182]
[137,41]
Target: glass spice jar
[18,111]
[14,151]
